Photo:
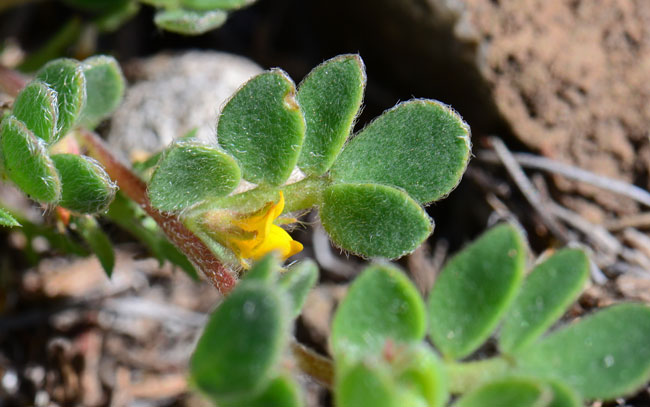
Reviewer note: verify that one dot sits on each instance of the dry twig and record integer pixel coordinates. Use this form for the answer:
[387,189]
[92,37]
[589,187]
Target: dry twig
[527,188]
[577,174]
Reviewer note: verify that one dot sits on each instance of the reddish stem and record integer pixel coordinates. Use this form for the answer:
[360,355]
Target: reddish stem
[193,247]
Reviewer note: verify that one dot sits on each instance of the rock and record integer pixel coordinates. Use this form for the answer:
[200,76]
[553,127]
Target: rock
[171,95]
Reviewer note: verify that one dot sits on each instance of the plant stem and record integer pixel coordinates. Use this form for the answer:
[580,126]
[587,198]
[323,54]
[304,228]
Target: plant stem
[466,376]
[298,196]
[195,250]
[314,365]
[304,194]
[318,367]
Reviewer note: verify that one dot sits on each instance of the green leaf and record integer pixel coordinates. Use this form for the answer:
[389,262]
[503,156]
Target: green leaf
[7,220]
[216,4]
[298,280]
[67,79]
[330,98]
[475,289]
[189,173]
[36,106]
[422,146]
[98,242]
[366,385]
[266,269]
[26,163]
[242,342]
[85,186]
[188,22]
[545,295]
[104,89]
[263,128]
[374,220]
[382,305]
[281,392]
[421,372]
[603,356]
[564,396]
[510,392]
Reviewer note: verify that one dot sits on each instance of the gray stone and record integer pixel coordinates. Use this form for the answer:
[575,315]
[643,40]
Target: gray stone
[173,94]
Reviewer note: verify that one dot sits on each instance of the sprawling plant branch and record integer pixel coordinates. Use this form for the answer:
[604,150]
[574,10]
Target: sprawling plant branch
[195,250]
[316,366]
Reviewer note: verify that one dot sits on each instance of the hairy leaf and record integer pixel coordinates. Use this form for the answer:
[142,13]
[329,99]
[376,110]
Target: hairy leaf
[298,280]
[330,98]
[188,22]
[510,392]
[26,162]
[283,391]
[263,128]
[266,269]
[66,78]
[104,89]
[36,106]
[564,396]
[421,372]
[85,186]
[603,356]
[189,173]
[382,307]
[7,220]
[374,220]
[546,293]
[474,290]
[240,363]
[422,146]
[366,385]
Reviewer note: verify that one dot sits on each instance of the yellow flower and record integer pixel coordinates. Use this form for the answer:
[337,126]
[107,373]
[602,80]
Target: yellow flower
[253,235]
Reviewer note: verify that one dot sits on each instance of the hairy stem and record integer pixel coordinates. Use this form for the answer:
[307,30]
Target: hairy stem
[316,366]
[303,194]
[195,250]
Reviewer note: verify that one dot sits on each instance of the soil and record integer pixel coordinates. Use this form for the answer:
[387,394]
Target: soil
[572,80]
